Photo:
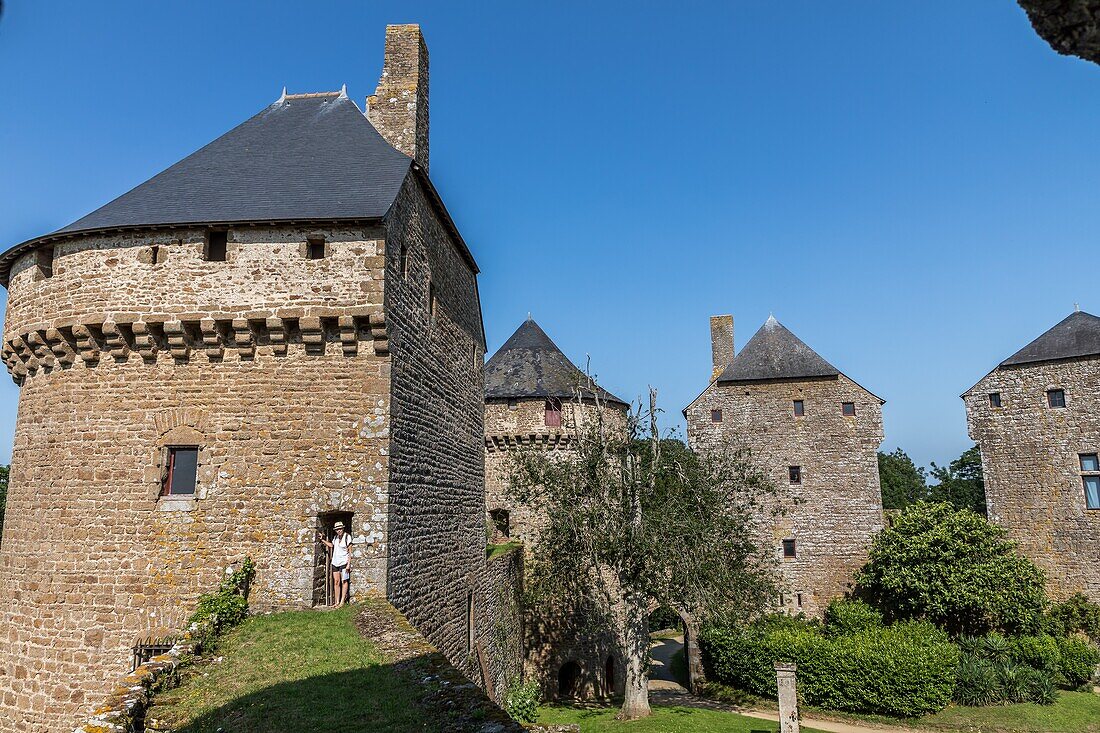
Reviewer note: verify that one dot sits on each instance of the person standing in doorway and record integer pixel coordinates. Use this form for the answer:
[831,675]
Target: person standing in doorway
[340,562]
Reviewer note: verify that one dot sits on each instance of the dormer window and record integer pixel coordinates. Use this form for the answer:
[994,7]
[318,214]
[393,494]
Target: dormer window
[216,246]
[44,260]
[1056,398]
[553,412]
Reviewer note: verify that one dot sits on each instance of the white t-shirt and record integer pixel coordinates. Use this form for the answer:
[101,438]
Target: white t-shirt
[340,550]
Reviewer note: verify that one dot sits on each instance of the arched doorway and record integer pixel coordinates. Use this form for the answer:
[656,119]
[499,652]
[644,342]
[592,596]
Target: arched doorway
[609,677]
[569,681]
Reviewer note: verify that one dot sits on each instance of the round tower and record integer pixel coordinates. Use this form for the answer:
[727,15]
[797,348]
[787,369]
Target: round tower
[278,332]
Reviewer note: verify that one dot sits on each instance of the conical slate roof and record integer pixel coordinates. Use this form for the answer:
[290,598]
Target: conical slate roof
[775,353]
[305,157]
[529,364]
[1076,336]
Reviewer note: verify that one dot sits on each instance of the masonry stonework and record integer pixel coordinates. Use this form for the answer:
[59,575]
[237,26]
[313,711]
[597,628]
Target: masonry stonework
[834,510]
[1031,463]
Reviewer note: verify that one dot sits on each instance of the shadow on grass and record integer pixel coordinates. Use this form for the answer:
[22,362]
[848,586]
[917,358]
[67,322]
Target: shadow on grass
[379,698]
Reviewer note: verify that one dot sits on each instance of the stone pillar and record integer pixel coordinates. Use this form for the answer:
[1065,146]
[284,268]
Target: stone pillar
[788,698]
[721,344]
[398,109]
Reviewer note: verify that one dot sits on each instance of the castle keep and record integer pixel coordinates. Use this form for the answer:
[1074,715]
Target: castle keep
[816,433]
[280,330]
[1036,418]
[536,398]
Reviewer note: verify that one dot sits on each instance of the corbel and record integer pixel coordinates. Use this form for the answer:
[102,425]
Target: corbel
[313,334]
[114,340]
[61,347]
[348,335]
[177,339]
[144,341]
[86,343]
[211,340]
[243,339]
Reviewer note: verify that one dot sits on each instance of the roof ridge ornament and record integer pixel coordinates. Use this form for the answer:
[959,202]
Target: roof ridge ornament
[343,92]
[282,97]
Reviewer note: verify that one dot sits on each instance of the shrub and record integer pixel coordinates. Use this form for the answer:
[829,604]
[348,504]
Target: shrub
[226,607]
[1038,652]
[850,616]
[1078,660]
[905,671]
[521,701]
[953,568]
[977,684]
[1077,614]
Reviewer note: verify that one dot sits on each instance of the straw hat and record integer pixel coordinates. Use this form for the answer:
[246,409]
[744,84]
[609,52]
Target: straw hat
[338,525]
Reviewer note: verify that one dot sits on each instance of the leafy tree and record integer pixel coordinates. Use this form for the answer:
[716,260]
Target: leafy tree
[903,482]
[3,493]
[953,568]
[961,483]
[630,521]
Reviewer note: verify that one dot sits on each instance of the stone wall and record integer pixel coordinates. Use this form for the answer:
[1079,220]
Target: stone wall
[437,497]
[121,355]
[836,509]
[1030,461]
[498,614]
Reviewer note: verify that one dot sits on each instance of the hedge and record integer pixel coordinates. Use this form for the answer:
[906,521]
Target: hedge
[907,669]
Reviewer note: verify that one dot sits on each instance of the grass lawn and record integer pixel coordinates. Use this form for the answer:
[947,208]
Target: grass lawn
[1075,712]
[294,672]
[493,551]
[663,720]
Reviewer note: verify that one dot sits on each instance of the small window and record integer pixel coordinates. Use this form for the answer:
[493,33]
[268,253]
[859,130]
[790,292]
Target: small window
[799,408]
[501,522]
[799,597]
[470,622]
[789,548]
[1056,397]
[216,244]
[794,473]
[44,260]
[782,600]
[431,299]
[404,261]
[553,412]
[179,479]
[315,248]
[1092,491]
[994,399]
[848,409]
[716,416]
[512,404]
[1089,462]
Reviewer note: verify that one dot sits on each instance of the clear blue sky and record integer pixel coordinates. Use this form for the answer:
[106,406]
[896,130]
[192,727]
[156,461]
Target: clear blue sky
[910,187]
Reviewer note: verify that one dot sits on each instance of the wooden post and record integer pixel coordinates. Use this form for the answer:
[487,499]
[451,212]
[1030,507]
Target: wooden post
[788,697]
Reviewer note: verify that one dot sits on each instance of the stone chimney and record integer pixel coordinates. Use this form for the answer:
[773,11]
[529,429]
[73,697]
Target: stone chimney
[398,109]
[721,344]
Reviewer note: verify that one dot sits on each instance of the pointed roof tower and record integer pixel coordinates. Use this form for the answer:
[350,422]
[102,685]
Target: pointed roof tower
[1076,336]
[529,364]
[775,353]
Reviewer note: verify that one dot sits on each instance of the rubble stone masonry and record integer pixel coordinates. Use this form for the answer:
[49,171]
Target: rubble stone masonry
[833,513]
[1031,464]
[308,386]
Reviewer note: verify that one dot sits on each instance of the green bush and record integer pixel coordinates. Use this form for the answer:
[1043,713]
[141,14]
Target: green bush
[1077,614]
[904,671]
[850,616]
[1038,652]
[955,569]
[226,607]
[521,701]
[977,684]
[1078,659]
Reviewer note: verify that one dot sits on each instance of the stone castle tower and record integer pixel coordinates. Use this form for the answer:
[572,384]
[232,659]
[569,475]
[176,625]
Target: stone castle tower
[531,391]
[1036,418]
[816,433]
[280,330]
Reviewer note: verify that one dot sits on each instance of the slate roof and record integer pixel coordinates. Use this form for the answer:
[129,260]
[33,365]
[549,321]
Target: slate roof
[529,364]
[775,353]
[303,158]
[1076,336]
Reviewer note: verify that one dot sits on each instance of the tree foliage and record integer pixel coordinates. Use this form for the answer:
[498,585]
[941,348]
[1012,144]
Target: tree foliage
[960,483]
[630,520]
[903,482]
[953,568]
